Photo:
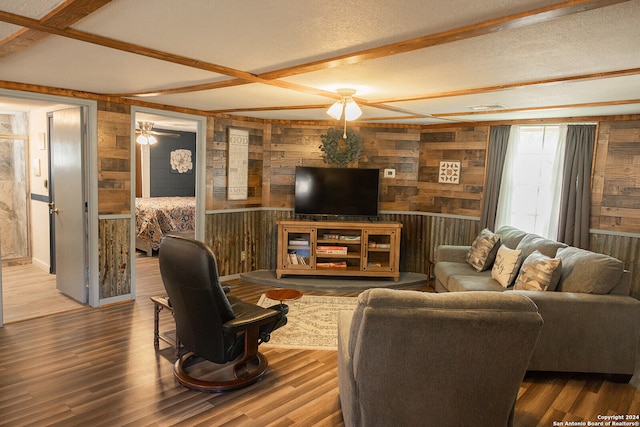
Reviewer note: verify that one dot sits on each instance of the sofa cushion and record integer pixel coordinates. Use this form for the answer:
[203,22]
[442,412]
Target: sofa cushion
[445,269]
[506,266]
[477,282]
[510,236]
[588,272]
[533,242]
[483,250]
[539,273]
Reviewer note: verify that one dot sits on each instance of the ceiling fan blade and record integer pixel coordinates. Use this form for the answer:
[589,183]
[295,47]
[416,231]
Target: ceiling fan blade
[173,135]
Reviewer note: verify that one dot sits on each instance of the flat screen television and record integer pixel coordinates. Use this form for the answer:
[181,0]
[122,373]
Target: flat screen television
[336,191]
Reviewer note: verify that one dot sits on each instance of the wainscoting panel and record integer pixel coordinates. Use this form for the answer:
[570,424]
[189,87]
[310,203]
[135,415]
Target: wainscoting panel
[114,249]
[267,245]
[225,234]
[451,231]
[250,231]
[254,232]
[414,250]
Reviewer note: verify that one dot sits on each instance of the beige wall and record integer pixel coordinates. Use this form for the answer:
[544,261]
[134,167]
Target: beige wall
[39,185]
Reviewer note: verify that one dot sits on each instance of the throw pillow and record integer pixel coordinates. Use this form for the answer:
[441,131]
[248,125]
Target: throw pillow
[539,273]
[483,250]
[588,272]
[505,268]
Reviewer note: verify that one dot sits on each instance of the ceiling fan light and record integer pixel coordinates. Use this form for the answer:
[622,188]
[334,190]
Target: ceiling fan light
[143,139]
[351,110]
[335,110]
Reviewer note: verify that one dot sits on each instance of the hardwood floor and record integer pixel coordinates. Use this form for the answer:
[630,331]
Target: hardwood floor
[29,292]
[98,367]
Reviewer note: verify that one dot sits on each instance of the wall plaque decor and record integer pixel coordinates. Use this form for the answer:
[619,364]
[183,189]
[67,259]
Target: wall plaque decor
[449,172]
[238,164]
[181,161]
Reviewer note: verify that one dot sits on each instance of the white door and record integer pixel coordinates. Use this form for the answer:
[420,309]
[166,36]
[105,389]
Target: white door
[68,202]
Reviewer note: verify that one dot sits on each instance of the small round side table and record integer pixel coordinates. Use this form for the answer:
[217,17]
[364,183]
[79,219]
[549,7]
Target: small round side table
[283,294]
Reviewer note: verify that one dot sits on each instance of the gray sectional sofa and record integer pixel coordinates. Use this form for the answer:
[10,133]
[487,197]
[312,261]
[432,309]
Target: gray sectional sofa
[591,324]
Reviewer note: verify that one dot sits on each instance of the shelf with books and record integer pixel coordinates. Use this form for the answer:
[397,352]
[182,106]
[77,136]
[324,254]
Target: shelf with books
[339,248]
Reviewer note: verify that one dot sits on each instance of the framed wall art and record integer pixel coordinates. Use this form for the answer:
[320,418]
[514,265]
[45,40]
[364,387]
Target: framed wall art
[238,164]
[449,173]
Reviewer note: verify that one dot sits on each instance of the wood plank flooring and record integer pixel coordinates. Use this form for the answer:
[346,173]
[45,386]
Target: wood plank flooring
[29,292]
[98,367]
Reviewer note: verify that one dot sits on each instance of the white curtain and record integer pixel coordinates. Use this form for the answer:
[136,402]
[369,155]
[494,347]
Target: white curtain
[545,199]
[503,213]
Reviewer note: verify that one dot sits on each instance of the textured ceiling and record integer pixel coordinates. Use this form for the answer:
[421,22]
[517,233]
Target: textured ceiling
[411,61]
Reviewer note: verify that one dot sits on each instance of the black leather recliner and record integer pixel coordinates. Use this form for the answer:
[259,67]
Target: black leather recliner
[209,324]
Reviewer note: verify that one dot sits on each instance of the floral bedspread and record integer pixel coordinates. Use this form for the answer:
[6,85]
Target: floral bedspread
[158,216]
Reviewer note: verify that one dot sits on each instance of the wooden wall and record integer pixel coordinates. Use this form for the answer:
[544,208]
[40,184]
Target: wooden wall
[464,144]
[414,154]
[616,180]
[217,163]
[114,158]
[114,249]
[114,199]
[431,213]
[254,232]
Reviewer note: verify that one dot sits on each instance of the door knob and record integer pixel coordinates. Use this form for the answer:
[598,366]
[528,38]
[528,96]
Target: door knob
[52,208]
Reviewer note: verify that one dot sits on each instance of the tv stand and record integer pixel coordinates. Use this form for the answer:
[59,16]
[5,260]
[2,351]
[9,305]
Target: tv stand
[339,248]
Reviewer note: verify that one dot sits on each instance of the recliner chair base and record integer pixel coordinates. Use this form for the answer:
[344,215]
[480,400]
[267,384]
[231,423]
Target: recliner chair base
[242,375]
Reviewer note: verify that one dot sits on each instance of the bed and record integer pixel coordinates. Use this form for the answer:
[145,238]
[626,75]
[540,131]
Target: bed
[159,216]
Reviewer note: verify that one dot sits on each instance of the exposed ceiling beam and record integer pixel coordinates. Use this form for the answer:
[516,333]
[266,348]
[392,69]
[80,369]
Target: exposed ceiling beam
[62,17]
[58,21]
[33,24]
[546,107]
[508,22]
[512,21]
[497,88]
[462,92]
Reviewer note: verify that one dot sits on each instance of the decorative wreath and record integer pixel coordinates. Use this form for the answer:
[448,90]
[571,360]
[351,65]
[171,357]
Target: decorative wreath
[340,150]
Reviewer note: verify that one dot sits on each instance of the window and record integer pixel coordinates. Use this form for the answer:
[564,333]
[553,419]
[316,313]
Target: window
[532,179]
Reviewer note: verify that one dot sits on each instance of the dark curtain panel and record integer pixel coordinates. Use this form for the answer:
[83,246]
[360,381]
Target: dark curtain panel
[497,150]
[575,204]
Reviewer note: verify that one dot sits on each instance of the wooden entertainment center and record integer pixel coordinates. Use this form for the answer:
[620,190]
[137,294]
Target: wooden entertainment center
[339,248]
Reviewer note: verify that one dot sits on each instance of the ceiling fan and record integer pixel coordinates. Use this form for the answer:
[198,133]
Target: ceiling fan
[146,134]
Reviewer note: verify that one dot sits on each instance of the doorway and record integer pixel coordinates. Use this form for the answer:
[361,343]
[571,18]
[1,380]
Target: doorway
[28,288]
[168,195]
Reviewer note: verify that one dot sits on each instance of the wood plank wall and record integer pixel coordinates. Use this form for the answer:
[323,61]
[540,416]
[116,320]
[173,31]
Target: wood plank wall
[616,180]
[466,145]
[114,158]
[615,195]
[432,213]
[114,198]
[217,163]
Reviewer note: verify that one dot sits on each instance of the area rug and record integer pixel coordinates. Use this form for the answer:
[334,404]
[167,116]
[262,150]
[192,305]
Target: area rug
[312,322]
